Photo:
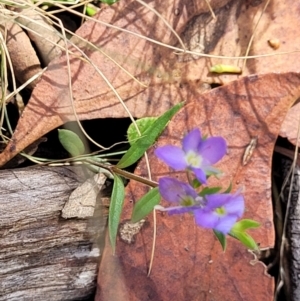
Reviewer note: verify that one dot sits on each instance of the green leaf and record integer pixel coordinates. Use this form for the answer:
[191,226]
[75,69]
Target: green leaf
[115,210]
[143,124]
[209,190]
[228,190]
[145,205]
[245,224]
[109,2]
[221,238]
[245,239]
[71,142]
[90,10]
[196,184]
[137,150]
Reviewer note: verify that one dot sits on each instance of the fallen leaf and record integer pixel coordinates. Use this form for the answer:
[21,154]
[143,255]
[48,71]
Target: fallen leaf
[189,263]
[169,77]
[21,52]
[82,201]
[50,103]
[229,35]
[289,128]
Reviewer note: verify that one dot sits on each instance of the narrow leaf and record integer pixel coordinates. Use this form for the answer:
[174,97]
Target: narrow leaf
[245,239]
[115,210]
[71,142]
[209,190]
[137,150]
[143,125]
[145,205]
[221,238]
[229,188]
[245,224]
[109,2]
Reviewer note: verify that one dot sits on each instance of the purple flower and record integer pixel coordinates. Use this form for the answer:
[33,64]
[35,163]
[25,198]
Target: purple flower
[179,193]
[214,211]
[221,211]
[197,154]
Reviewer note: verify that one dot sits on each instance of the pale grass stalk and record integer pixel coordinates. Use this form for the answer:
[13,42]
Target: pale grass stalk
[4,83]
[253,33]
[210,9]
[153,243]
[24,85]
[164,21]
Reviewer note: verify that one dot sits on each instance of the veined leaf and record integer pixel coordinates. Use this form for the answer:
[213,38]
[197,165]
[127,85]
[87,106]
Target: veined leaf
[71,142]
[143,125]
[245,239]
[209,190]
[115,210]
[245,224]
[137,150]
[145,205]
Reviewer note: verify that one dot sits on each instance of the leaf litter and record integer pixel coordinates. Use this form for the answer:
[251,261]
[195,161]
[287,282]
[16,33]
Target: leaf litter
[172,80]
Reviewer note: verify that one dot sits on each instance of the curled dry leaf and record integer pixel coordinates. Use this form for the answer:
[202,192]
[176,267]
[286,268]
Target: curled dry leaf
[23,56]
[189,263]
[81,203]
[42,34]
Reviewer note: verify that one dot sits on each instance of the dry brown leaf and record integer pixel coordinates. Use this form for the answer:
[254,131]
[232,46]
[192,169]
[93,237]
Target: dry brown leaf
[41,33]
[230,34]
[82,200]
[50,104]
[169,77]
[189,263]
[23,56]
[289,128]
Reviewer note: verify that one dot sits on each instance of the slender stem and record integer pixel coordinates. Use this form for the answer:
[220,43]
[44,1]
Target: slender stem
[125,174]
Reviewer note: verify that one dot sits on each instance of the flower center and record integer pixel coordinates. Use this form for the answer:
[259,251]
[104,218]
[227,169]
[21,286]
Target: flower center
[187,201]
[193,159]
[221,211]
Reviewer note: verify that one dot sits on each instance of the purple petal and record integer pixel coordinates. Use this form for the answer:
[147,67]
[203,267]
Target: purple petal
[200,175]
[211,170]
[236,205]
[225,224]
[213,149]
[173,190]
[172,155]
[191,141]
[205,219]
[211,220]
[217,200]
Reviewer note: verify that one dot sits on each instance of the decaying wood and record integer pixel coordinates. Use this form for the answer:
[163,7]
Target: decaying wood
[43,256]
